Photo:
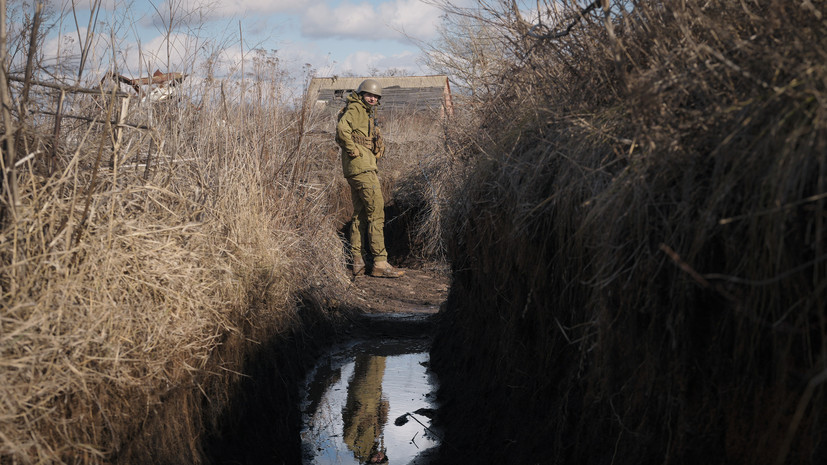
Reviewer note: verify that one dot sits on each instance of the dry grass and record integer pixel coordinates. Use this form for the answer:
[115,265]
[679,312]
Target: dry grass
[144,267]
[418,175]
[642,244]
[120,282]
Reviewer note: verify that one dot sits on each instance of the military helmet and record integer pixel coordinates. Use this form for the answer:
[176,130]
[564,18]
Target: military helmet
[371,86]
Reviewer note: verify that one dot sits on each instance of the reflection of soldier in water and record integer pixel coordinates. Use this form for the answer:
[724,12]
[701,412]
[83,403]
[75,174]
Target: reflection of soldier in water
[365,410]
[377,457]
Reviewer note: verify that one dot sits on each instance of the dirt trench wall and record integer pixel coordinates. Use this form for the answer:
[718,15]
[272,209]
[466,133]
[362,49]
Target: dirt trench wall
[590,344]
[639,255]
[245,409]
[669,309]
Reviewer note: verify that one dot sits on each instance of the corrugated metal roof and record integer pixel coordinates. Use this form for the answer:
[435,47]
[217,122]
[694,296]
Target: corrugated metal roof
[351,83]
[405,92]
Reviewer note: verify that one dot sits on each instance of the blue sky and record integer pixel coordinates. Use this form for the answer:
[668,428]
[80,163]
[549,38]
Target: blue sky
[332,37]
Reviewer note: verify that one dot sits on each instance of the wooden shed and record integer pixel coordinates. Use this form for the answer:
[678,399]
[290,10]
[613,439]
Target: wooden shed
[420,94]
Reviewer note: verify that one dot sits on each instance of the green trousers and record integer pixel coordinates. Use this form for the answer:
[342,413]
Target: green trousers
[368,216]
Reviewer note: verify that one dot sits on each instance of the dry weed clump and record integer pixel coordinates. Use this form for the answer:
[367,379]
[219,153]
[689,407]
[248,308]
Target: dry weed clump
[639,257]
[431,172]
[416,174]
[141,267]
[128,312]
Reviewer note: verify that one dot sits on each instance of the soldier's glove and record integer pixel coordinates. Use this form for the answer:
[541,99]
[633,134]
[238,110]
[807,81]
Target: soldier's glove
[378,145]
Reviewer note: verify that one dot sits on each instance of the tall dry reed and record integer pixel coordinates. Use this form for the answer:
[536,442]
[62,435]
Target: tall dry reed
[132,255]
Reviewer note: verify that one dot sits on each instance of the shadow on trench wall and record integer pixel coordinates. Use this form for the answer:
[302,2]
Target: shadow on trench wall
[262,418]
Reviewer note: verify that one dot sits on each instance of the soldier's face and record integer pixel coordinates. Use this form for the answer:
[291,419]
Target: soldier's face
[370,99]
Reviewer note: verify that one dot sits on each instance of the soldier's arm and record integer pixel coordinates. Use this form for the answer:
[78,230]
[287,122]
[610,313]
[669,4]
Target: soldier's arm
[344,131]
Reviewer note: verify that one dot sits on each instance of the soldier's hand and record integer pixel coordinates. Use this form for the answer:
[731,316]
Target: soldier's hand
[378,146]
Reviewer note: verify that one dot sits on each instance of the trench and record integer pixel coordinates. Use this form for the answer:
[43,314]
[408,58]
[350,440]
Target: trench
[370,395]
[348,389]
[335,395]
[371,398]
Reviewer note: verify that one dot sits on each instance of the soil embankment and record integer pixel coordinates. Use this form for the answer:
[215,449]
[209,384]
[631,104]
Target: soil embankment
[639,255]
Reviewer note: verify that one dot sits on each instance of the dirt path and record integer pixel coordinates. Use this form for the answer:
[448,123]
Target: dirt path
[419,291]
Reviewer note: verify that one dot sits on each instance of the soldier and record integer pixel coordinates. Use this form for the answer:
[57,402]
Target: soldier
[362,145]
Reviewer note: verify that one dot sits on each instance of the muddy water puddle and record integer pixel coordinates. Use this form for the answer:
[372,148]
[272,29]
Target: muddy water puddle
[370,401]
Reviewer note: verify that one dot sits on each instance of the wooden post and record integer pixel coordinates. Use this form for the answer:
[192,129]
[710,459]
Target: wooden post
[8,159]
[117,131]
[56,132]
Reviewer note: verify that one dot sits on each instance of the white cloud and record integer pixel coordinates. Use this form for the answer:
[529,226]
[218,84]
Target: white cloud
[190,48]
[362,63]
[296,54]
[413,17]
[227,8]
[364,21]
[62,54]
[197,13]
[175,52]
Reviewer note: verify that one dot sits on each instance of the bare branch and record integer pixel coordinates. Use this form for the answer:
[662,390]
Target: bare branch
[534,31]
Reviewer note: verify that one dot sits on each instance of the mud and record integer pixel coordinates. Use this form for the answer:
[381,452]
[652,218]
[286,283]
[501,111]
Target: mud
[421,290]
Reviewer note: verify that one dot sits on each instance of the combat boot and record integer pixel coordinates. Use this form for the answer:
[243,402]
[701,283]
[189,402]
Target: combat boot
[358,266]
[384,269]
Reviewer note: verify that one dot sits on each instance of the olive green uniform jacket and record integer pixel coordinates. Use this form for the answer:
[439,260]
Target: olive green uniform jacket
[357,120]
[359,167]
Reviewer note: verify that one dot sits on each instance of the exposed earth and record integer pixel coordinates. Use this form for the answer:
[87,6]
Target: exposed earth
[420,290]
